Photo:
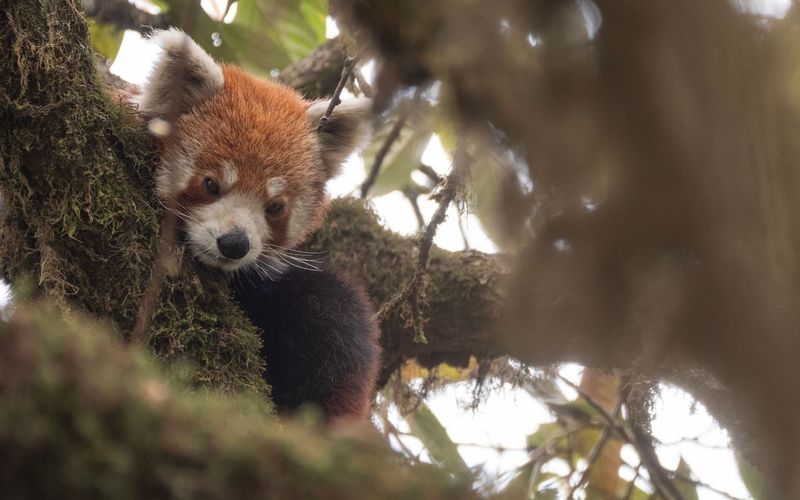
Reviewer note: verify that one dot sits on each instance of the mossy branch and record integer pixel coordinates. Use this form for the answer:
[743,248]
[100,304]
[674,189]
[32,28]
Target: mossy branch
[82,416]
[81,218]
[463,300]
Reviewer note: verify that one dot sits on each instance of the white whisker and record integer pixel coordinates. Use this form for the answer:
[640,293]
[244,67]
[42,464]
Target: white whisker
[294,263]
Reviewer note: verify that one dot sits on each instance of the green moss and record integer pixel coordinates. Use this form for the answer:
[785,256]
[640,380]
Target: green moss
[80,214]
[462,297]
[82,416]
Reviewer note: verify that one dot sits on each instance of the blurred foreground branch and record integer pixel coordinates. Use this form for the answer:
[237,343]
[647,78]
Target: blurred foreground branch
[82,416]
[317,74]
[659,142]
[124,15]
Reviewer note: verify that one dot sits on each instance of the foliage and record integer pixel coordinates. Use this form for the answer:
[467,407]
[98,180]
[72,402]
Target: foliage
[263,36]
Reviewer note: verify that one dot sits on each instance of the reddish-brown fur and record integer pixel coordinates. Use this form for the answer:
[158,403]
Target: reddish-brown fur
[253,140]
[262,128]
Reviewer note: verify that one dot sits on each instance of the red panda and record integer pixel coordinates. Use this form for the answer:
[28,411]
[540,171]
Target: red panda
[246,169]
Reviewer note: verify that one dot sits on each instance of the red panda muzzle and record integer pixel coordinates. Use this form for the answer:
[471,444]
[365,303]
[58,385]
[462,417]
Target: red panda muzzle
[233,245]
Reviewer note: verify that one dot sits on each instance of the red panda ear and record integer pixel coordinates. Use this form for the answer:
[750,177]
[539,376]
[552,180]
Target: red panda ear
[347,130]
[183,77]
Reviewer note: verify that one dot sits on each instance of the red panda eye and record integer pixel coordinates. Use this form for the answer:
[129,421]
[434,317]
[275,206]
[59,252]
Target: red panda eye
[275,209]
[211,186]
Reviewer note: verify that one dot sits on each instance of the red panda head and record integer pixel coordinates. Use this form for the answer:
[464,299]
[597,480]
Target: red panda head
[244,162]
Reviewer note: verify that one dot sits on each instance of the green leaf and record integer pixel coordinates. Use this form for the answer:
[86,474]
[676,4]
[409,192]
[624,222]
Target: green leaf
[314,13]
[265,35]
[754,480]
[496,193]
[687,490]
[403,157]
[638,494]
[518,486]
[161,4]
[425,426]
[106,39]
[543,434]
[583,441]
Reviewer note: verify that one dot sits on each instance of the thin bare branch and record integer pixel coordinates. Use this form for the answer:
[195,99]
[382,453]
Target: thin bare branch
[412,196]
[594,454]
[632,485]
[701,484]
[124,15]
[463,231]
[169,225]
[347,71]
[644,446]
[413,294]
[363,84]
[430,173]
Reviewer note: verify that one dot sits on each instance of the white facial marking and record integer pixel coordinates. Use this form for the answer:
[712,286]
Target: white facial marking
[208,222]
[229,174]
[298,222]
[275,186]
[174,174]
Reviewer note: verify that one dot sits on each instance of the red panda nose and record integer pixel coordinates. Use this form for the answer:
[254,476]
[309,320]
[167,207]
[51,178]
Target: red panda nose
[233,245]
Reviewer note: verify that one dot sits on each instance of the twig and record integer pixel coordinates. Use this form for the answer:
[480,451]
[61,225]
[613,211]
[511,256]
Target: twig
[629,491]
[413,293]
[317,74]
[391,430]
[463,232]
[700,484]
[412,199]
[169,225]
[620,431]
[347,70]
[381,154]
[363,84]
[496,447]
[591,459]
[394,134]
[696,440]
[594,454]
[658,475]
[430,173]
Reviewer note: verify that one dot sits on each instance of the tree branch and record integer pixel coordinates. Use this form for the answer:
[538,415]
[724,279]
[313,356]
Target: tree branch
[74,399]
[124,15]
[464,299]
[318,74]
